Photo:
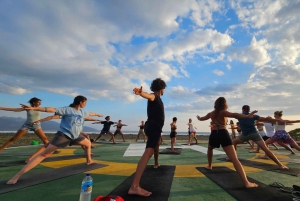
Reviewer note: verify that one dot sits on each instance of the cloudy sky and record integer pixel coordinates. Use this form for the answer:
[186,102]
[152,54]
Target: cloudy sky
[245,50]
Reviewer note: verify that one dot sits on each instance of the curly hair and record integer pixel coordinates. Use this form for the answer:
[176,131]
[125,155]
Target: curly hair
[220,104]
[158,84]
[34,100]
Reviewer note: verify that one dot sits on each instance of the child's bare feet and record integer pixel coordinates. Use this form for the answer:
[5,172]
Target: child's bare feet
[89,162]
[251,185]
[139,191]
[156,166]
[208,167]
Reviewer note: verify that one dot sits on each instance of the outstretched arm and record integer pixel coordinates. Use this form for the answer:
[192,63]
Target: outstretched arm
[206,117]
[270,120]
[90,119]
[12,109]
[41,109]
[124,125]
[295,121]
[97,122]
[95,114]
[47,119]
[139,91]
[237,115]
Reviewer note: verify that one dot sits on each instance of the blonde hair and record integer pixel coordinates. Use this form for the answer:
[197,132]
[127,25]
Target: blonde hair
[279,113]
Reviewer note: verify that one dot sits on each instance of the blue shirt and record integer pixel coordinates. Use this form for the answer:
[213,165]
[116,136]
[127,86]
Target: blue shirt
[248,125]
[71,121]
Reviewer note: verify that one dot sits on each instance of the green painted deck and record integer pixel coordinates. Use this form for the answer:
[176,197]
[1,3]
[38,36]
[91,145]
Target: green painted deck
[188,183]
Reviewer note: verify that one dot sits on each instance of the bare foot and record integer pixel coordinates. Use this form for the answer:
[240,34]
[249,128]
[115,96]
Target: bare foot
[283,167]
[89,162]
[208,167]
[13,180]
[189,144]
[251,185]
[139,191]
[156,166]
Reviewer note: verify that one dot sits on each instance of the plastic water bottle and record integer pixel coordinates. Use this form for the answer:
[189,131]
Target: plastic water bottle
[86,188]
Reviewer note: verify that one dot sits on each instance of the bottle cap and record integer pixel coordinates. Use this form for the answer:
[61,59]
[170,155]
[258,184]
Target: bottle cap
[88,174]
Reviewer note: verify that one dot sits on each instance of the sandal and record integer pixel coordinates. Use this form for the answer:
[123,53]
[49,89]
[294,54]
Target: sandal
[287,189]
[277,185]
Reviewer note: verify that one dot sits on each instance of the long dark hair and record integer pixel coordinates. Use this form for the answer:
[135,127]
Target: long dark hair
[220,104]
[77,101]
[33,100]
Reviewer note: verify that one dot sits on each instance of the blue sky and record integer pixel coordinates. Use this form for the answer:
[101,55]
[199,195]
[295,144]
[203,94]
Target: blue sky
[245,50]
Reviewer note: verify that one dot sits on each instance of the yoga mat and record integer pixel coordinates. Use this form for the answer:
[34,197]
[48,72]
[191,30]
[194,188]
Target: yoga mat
[49,159]
[168,151]
[158,181]
[49,175]
[230,181]
[267,167]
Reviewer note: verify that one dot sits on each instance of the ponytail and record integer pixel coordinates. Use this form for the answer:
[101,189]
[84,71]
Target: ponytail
[77,101]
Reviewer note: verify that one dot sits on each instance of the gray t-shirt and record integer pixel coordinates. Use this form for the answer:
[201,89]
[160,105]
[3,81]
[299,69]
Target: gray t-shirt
[248,125]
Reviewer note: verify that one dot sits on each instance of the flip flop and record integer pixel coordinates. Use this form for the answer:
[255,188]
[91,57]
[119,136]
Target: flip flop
[287,189]
[277,185]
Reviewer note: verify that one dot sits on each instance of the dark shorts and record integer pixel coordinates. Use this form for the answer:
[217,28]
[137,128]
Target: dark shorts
[173,134]
[189,132]
[30,127]
[153,131]
[104,131]
[117,132]
[61,140]
[265,138]
[219,137]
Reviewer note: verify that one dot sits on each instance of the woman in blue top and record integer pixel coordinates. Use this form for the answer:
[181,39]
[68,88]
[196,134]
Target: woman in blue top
[70,128]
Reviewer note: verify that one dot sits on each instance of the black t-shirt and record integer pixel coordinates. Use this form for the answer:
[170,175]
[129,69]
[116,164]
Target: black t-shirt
[156,110]
[106,125]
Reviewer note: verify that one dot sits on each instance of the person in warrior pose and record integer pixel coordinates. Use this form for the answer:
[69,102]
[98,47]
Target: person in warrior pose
[250,133]
[28,126]
[192,132]
[232,129]
[173,133]
[153,129]
[220,136]
[118,130]
[70,128]
[106,128]
[141,132]
[281,136]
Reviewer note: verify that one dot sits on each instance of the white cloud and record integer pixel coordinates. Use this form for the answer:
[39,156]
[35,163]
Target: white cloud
[12,90]
[218,72]
[228,66]
[256,53]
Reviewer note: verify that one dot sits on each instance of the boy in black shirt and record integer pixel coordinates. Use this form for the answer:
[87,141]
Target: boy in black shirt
[106,127]
[153,128]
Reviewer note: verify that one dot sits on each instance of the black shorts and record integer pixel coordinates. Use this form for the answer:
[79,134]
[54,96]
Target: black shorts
[104,131]
[173,134]
[265,138]
[153,131]
[189,132]
[219,137]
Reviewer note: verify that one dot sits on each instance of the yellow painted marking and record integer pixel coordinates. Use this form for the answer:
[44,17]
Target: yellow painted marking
[64,152]
[119,169]
[269,161]
[185,171]
[64,163]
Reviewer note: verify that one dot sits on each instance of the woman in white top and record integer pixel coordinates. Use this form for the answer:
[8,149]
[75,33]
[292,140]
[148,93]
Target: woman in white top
[281,136]
[192,132]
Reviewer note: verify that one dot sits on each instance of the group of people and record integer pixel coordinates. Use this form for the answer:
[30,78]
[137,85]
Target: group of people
[73,117]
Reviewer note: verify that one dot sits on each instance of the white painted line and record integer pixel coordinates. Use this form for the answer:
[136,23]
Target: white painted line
[138,149]
[24,146]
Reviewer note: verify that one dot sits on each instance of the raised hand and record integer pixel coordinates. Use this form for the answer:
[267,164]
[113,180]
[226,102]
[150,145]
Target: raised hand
[252,113]
[26,107]
[198,117]
[138,91]
[100,115]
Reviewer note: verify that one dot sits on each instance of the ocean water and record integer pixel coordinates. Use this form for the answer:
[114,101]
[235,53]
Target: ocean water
[124,132]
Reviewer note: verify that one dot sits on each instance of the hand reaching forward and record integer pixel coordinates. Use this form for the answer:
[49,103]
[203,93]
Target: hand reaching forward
[252,113]
[138,91]
[26,107]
